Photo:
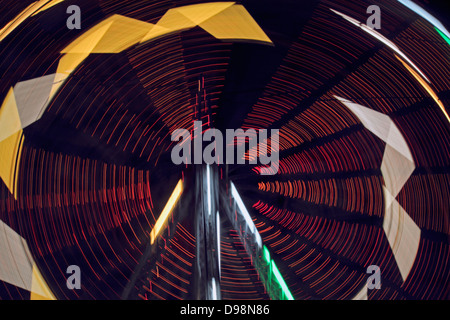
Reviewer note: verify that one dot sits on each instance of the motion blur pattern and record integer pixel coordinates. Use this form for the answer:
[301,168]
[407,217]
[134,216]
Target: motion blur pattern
[85,123]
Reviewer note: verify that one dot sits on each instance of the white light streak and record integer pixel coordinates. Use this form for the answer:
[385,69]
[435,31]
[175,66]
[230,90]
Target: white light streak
[381,38]
[424,14]
[208,182]
[246,215]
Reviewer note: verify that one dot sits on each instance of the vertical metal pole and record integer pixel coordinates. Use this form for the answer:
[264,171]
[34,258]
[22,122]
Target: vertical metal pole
[208,257]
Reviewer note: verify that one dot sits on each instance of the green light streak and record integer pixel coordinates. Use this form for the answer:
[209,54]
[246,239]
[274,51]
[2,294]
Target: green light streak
[443,35]
[272,269]
[281,282]
[266,254]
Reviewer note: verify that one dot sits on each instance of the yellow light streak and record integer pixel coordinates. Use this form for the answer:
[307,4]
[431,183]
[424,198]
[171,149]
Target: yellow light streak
[425,86]
[162,220]
[33,9]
